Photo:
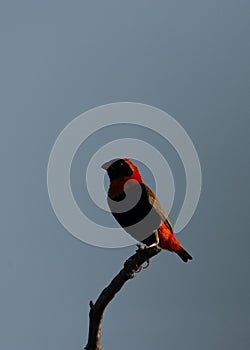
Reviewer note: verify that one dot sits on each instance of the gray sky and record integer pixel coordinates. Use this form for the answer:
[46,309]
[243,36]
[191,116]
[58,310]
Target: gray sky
[59,59]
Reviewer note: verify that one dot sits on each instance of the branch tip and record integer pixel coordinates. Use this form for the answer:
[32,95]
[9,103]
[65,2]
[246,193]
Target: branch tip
[140,247]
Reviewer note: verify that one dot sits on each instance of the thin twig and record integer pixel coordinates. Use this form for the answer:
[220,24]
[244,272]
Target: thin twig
[131,266]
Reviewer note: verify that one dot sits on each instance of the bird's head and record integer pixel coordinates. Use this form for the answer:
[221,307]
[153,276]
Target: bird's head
[121,168]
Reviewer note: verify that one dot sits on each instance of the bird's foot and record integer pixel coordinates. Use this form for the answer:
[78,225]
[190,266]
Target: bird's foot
[146,266]
[139,269]
[152,245]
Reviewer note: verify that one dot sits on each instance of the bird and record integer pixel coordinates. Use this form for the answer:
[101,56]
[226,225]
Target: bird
[137,209]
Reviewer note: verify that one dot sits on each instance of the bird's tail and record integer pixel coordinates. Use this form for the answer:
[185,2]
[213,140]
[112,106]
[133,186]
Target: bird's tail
[184,255]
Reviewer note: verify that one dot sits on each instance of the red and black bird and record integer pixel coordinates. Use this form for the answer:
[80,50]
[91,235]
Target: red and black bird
[137,209]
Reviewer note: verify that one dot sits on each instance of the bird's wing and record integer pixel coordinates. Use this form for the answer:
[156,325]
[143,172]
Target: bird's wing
[153,201]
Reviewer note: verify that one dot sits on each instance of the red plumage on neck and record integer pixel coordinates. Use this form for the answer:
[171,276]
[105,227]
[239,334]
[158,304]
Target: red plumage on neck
[135,176]
[118,185]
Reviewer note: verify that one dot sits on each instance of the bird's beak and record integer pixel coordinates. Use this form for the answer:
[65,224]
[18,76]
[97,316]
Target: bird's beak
[106,165]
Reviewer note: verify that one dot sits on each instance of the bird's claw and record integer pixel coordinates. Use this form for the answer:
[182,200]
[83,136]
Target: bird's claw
[146,266]
[139,269]
[143,267]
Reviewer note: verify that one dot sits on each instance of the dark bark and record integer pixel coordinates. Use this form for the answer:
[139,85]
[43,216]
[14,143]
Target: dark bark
[131,266]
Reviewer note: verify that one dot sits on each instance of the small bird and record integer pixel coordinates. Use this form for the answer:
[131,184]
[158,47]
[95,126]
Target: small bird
[137,209]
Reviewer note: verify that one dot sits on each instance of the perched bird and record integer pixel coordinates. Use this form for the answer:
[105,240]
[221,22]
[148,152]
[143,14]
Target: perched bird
[137,209]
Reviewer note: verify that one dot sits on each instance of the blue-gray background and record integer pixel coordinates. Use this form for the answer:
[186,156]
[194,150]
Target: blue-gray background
[189,58]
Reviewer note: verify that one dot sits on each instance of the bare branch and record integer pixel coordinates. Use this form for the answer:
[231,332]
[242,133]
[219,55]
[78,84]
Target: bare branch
[131,266]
